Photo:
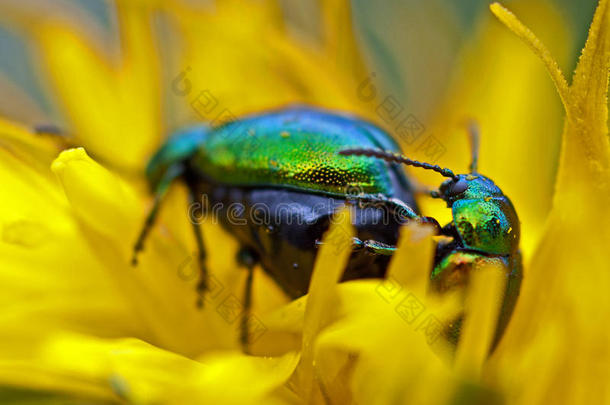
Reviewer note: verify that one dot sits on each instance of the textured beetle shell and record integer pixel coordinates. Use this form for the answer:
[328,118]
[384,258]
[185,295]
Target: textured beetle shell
[298,148]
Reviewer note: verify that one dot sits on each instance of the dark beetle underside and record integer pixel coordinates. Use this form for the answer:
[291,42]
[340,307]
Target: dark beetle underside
[281,227]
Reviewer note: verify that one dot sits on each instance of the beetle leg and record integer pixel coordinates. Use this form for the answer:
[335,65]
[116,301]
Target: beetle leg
[403,209]
[378,248]
[202,285]
[407,214]
[394,204]
[170,175]
[370,246]
[244,334]
[248,259]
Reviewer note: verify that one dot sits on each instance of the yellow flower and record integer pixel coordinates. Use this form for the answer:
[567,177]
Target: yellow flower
[79,323]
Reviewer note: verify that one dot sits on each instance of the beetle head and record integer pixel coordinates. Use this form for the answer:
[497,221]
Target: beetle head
[484,219]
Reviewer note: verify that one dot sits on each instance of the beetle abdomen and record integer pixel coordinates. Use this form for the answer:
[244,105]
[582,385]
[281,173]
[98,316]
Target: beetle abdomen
[282,227]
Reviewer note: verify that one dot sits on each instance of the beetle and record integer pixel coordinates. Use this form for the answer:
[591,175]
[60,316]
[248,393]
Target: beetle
[275,179]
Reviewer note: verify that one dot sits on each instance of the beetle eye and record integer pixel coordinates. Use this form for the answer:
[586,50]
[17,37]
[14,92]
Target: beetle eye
[458,187]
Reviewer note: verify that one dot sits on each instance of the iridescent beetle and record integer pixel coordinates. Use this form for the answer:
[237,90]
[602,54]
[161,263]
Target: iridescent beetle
[301,164]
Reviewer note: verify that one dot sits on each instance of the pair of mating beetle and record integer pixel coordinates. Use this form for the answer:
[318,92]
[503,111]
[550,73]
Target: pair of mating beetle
[302,164]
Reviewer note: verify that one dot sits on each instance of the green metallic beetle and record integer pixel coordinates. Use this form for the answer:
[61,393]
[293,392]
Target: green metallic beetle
[275,179]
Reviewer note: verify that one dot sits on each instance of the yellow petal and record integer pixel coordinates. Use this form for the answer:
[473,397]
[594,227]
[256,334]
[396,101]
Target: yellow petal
[134,371]
[36,228]
[127,368]
[537,47]
[339,41]
[323,299]
[44,289]
[415,248]
[99,198]
[586,148]
[212,83]
[138,81]
[114,111]
[234,378]
[379,350]
[483,302]
[561,288]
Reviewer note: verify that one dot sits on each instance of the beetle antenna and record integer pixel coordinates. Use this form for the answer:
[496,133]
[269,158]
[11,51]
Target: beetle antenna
[397,158]
[474,134]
